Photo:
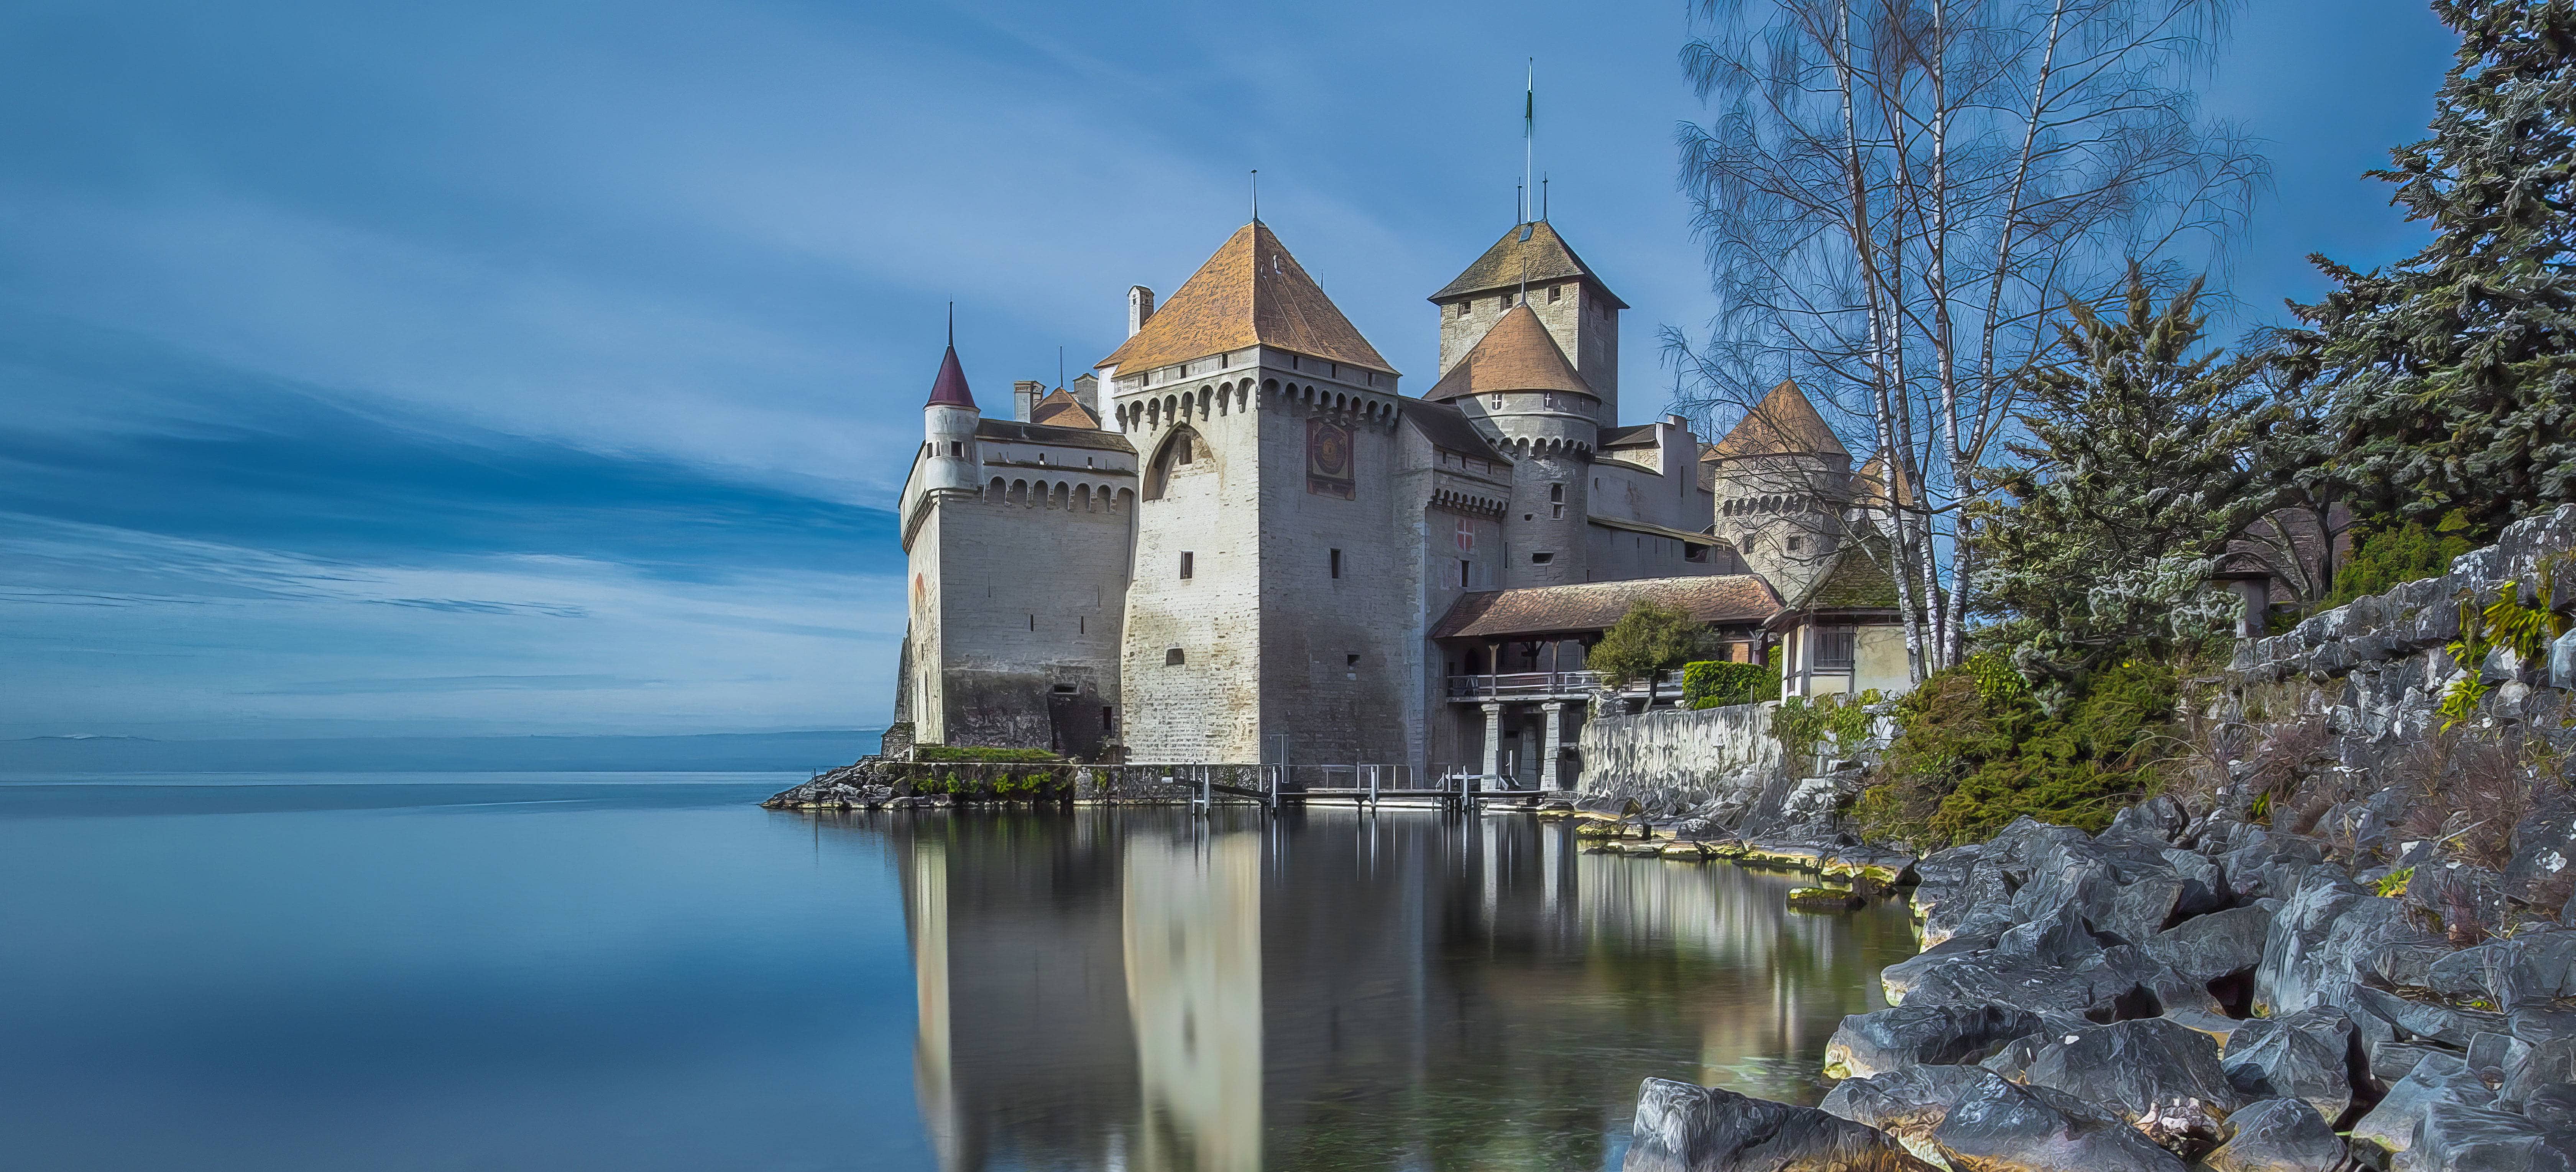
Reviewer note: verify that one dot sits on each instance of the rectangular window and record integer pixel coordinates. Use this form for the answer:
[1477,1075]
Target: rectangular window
[1189,564]
[1337,563]
[1556,511]
[1834,649]
[1466,305]
[1549,400]
[1350,661]
[1108,719]
[1174,658]
[1033,622]
[1541,559]
[1556,492]
[1554,293]
[1498,401]
[1466,573]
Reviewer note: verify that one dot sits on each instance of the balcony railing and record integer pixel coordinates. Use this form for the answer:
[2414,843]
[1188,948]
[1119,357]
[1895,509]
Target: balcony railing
[1559,685]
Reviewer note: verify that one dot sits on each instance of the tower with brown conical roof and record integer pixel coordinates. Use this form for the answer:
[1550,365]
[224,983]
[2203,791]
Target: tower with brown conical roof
[1533,265]
[1517,386]
[1782,482]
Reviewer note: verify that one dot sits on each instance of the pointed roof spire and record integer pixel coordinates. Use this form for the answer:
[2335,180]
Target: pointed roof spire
[1784,423]
[1530,252]
[1518,354]
[949,389]
[1251,293]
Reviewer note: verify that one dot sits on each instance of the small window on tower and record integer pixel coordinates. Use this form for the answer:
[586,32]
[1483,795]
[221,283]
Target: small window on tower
[956,449]
[1796,544]
[1108,720]
[1554,293]
[1498,400]
[1541,559]
[1337,563]
[1464,306]
[1350,661]
[1173,658]
[1466,573]
[1189,564]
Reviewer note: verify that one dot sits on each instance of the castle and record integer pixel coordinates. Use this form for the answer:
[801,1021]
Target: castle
[1256,548]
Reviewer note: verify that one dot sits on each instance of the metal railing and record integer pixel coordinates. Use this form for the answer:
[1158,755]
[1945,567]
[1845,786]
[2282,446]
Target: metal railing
[1570,685]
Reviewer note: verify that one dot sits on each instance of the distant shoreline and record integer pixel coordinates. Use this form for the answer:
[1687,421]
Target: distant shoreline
[777,752]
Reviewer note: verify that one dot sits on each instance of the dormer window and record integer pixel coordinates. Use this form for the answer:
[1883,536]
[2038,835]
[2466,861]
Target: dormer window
[1466,305]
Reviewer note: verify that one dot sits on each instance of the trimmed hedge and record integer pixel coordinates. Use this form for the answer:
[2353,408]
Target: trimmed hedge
[976,753]
[1716,683]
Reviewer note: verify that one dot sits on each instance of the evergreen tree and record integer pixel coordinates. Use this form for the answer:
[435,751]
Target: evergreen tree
[1646,640]
[2136,472]
[2449,374]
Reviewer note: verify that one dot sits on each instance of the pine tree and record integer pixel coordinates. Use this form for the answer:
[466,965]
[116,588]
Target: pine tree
[2449,374]
[2136,472]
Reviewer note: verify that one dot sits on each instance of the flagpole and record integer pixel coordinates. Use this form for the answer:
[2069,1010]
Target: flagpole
[1529,128]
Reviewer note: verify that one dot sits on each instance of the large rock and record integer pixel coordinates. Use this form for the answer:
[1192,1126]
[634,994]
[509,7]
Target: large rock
[1999,1126]
[1979,903]
[2509,974]
[2277,1135]
[2216,946]
[2438,1079]
[2054,963]
[1685,1128]
[2457,1137]
[1915,1035]
[2450,1026]
[1908,1105]
[2306,1056]
[2163,1078]
[2551,1063]
[2326,939]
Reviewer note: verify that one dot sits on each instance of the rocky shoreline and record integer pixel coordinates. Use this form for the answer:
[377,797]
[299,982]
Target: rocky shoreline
[2176,992]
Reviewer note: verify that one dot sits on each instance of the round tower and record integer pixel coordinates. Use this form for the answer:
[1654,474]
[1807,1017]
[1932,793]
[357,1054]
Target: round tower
[1520,390]
[948,425]
[1781,482]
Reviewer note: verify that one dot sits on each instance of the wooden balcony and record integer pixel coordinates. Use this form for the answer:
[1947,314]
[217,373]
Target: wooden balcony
[1557,685]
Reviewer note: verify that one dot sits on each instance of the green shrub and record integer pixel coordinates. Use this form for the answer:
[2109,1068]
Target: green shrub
[1717,683]
[1646,640]
[1975,750]
[979,753]
[1799,724]
[2384,558]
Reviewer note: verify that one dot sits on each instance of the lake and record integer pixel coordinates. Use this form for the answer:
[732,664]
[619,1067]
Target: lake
[647,971]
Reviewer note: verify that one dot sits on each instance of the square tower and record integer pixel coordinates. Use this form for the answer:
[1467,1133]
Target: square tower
[1579,311]
[1265,585]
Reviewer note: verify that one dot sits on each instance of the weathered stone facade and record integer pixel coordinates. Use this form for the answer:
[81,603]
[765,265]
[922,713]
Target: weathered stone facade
[1243,561]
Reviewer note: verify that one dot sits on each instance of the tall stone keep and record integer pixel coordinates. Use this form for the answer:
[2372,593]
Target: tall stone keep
[1782,483]
[1266,568]
[1532,264]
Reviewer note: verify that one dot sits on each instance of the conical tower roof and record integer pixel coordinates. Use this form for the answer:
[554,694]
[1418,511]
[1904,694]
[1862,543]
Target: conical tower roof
[1517,354]
[1530,253]
[949,389]
[1251,293]
[1783,424]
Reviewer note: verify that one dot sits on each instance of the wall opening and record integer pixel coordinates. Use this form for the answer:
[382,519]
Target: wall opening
[1173,658]
[1337,563]
[1189,564]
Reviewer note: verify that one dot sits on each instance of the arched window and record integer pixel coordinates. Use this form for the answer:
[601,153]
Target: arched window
[1180,449]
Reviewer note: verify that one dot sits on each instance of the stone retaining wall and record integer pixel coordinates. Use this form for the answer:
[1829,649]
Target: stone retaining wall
[1715,750]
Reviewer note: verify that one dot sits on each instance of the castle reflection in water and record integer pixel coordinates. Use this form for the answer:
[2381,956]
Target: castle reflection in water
[1147,989]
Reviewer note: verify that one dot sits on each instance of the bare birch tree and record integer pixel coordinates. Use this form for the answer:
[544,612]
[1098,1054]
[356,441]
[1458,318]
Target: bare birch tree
[1898,198]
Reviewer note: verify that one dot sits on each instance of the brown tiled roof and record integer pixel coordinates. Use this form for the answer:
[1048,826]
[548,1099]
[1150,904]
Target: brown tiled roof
[1252,292]
[1596,606]
[1447,426]
[1517,354]
[1512,261]
[1014,431]
[1063,410]
[1783,424]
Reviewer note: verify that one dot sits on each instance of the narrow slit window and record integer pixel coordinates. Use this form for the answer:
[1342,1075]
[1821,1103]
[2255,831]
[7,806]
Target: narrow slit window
[1189,567]
[1466,572]
[1337,563]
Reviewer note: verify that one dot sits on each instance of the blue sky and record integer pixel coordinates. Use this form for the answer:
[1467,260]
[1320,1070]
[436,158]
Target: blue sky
[532,367]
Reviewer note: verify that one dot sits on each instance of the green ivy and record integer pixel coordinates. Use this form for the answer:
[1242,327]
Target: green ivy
[1718,684]
[2505,623]
[1799,724]
[980,753]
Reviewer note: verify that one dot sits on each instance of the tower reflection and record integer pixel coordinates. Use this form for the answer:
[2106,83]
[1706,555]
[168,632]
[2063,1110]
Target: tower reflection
[1147,989]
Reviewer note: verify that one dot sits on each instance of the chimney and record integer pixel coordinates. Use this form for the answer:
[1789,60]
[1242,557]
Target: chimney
[1140,308]
[1024,398]
[1086,391]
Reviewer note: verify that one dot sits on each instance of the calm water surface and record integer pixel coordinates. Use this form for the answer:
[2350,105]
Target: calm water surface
[648,972]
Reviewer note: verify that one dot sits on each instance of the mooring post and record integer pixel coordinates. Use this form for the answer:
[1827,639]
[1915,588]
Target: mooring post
[1205,803]
[1372,794]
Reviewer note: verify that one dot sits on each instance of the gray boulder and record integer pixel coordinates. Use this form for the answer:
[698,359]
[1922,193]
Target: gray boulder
[1898,980]
[1908,1105]
[2437,1079]
[2416,1019]
[2277,1135]
[2216,946]
[1867,1044]
[2162,1078]
[2552,1106]
[2327,938]
[1979,903]
[2306,1056]
[2456,1137]
[1999,1126]
[2508,974]
[1685,1128]
[2551,1063]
